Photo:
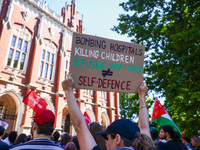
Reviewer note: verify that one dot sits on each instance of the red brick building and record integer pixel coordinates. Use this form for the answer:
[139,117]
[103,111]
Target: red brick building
[35,45]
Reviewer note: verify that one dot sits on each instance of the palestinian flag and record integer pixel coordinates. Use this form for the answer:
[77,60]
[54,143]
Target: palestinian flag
[161,117]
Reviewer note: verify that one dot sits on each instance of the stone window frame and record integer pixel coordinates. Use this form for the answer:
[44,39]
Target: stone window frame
[20,33]
[49,48]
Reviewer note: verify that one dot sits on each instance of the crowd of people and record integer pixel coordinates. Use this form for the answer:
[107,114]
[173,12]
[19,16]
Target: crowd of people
[167,138]
[122,134]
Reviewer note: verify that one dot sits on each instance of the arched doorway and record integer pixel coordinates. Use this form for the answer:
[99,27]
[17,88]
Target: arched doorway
[90,114]
[8,111]
[105,121]
[66,122]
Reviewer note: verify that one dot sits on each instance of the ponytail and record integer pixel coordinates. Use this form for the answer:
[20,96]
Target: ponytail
[140,142]
[143,142]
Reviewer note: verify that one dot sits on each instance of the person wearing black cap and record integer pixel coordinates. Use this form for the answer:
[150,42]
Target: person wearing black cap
[41,130]
[121,134]
[118,131]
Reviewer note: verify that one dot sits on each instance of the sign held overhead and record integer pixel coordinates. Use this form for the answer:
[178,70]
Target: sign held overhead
[106,65]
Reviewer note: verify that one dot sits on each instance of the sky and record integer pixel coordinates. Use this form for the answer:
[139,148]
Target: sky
[99,16]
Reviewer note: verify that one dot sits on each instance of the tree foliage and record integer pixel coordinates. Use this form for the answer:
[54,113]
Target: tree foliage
[129,105]
[170,31]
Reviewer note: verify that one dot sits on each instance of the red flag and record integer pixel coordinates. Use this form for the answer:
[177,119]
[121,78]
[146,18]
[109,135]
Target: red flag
[87,119]
[34,101]
[183,135]
[158,110]
[161,117]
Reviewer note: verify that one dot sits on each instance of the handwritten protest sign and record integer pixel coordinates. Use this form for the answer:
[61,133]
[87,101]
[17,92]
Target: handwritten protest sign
[106,65]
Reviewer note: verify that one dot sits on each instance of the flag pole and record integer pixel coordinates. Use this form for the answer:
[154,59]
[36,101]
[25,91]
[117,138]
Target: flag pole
[174,123]
[166,113]
[153,109]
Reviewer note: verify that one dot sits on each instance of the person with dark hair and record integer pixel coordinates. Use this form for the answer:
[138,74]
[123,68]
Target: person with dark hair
[195,141]
[75,140]
[65,138]
[172,138]
[186,142]
[121,134]
[12,137]
[41,130]
[96,127]
[5,139]
[56,136]
[3,146]
[154,134]
[29,138]
[70,146]
[22,138]
[4,136]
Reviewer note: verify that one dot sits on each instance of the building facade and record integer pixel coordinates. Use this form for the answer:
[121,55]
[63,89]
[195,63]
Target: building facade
[35,46]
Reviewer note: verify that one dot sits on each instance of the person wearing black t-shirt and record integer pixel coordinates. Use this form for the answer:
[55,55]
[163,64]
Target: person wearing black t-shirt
[171,137]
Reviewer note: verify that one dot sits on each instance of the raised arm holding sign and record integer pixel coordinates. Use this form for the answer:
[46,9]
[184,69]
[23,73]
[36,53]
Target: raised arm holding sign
[86,140]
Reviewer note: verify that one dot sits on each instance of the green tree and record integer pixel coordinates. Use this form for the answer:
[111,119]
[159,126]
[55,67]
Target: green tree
[170,31]
[129,105]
